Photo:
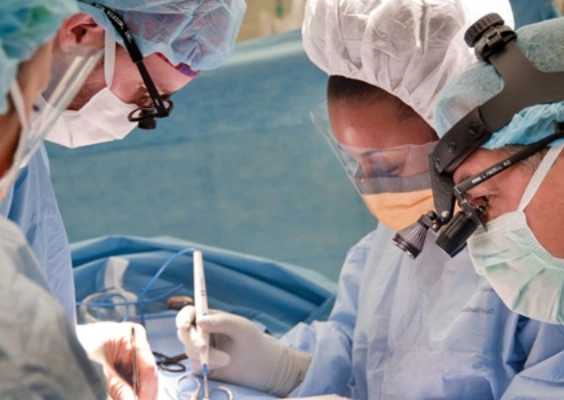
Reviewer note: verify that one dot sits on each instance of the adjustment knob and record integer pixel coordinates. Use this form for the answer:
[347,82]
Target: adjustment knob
[478,28]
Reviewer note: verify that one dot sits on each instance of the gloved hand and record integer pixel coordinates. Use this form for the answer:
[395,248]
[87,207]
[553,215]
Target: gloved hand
[240,353]
[109,343]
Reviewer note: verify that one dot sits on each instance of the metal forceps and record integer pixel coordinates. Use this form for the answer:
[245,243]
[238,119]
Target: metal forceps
[170,364]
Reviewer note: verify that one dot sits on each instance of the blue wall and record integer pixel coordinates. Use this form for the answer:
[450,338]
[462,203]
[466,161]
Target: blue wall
[238,165]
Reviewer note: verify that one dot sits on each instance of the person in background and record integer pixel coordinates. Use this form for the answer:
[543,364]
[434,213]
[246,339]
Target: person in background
[400,329]
[520,252]
[176,39]
[41,356]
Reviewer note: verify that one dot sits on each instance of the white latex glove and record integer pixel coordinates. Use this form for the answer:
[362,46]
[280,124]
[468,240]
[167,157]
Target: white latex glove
[109,343]
[240,353]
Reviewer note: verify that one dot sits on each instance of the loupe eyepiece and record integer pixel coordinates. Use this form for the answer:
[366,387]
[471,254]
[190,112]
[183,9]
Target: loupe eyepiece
[412,238]
[147,119]
[453,237]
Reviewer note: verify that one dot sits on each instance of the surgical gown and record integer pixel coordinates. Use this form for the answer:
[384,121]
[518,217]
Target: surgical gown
[429,328]
[33,207]
[40,356]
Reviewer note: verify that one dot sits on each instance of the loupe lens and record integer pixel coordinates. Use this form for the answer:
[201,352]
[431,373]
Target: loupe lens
[453,237]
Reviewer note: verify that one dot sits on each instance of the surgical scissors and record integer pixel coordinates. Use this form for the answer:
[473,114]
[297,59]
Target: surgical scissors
[170,364]
[193,395]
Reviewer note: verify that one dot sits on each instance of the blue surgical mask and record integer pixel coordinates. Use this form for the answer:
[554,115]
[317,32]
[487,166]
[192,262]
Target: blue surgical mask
[528,279]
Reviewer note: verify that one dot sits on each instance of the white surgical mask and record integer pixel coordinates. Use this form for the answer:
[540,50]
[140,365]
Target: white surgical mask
[102,119]
[528,279]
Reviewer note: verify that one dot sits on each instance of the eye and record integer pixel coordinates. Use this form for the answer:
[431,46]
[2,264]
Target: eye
[481,201]
[145,101]
[390,171]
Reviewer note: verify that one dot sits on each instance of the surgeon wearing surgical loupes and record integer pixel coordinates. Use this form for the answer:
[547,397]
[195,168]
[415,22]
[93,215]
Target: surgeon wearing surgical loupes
[432,328]
[40,355]
[176,38]
[519,249]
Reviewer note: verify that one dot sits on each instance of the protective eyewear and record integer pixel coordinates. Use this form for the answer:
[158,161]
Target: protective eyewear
[453,236]
[524,86]
[391,170]
[161,106]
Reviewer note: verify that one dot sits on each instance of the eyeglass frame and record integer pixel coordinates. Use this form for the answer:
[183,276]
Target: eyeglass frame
[161,106]
[463,187]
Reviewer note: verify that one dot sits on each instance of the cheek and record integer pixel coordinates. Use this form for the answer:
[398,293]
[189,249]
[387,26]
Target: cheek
[127,83]
[545,217]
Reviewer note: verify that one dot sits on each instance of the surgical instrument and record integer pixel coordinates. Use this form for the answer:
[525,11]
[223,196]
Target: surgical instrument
[135,377]
[193,395]
[170,364]
[201,304]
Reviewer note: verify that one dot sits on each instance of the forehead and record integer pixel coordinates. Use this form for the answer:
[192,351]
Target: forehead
[376,124]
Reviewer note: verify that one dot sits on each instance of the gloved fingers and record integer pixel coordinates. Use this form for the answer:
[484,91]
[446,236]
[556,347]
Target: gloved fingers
[216,358]
[185,317]
[189,337]
[228,324]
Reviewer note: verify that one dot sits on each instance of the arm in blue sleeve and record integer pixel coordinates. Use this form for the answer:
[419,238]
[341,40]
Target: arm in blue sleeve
[543,374]
[331,341]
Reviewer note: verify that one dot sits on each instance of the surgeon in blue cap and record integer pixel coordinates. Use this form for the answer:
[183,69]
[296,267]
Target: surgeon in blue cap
[175,39]
[519,250]
[40,353]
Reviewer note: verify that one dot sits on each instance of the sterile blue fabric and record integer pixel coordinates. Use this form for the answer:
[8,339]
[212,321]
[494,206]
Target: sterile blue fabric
[32,205]
[543,44]
[24,27]
[40,356]
[199,33]
[425,328]
[529,12]
[273,294]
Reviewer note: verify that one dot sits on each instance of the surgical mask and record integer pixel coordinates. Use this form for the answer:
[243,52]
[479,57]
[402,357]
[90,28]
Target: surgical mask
[102,119]
[528,279]
[398,210]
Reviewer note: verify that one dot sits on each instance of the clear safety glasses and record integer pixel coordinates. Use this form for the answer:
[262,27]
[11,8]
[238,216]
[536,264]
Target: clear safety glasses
[392,170]
[67,76]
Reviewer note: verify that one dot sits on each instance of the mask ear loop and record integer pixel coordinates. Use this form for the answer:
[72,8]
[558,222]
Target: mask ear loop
[109,59]
[539,175]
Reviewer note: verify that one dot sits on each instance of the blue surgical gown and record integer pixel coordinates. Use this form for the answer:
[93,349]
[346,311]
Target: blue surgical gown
[429,328]
[40,356]
[32,205]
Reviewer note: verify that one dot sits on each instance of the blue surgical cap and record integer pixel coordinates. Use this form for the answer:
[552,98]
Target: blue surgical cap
[199,33]
[25,25]
[543,44]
